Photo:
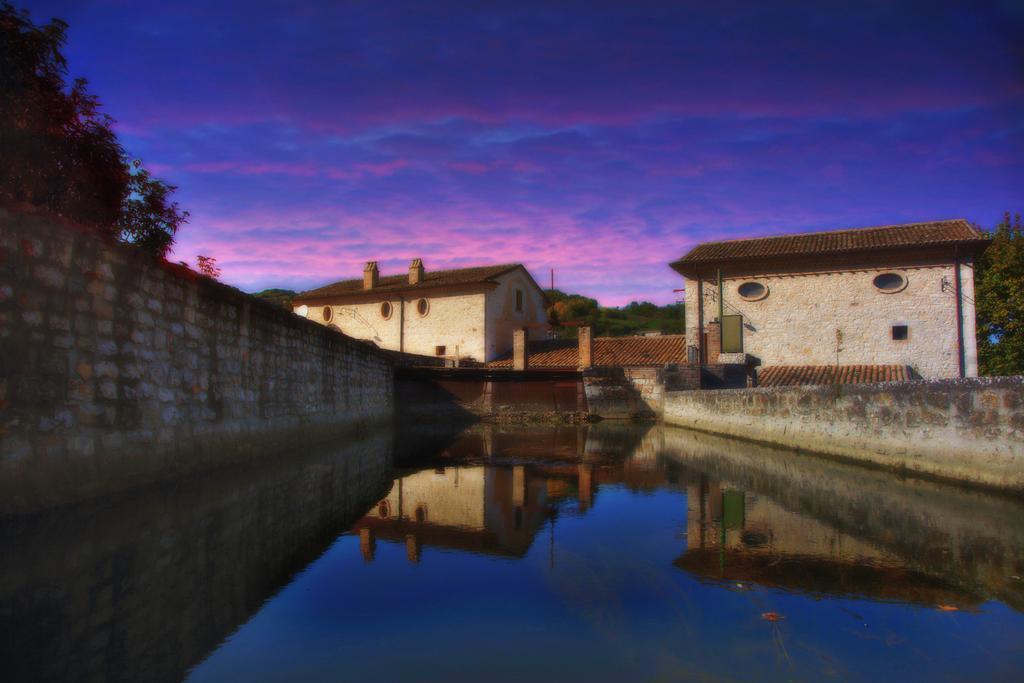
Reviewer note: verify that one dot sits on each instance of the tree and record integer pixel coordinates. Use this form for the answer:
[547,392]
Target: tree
[60,153]
[207,266]
[999,300]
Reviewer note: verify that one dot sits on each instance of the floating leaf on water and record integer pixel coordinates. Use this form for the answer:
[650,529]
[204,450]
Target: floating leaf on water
[948,608]
[772,616]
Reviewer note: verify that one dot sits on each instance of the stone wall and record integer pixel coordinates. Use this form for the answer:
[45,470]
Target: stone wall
[796,323]
[117,370]
[624,393]
[471,394]
[969,430]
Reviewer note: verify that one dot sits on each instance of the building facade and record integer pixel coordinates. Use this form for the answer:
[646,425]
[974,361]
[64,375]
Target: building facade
[893,295]
[466,313]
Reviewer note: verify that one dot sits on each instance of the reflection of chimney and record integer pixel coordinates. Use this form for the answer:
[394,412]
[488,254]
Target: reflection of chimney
[412,548]
[585,474]
[519,340]
[519,485]
[371,276]
[586,344]
[367,543]
[416,271]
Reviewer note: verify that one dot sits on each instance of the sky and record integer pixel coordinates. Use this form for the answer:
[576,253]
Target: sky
[599,139]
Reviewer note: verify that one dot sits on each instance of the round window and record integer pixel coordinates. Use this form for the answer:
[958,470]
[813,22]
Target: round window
[385,310]
[422,306]
[752,291]
[890,282]
[328,314]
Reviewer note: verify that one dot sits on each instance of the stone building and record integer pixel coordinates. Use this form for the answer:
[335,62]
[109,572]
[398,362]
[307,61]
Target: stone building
[466,313]
[899,295]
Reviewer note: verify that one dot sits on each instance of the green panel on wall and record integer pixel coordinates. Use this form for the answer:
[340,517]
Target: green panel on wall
[732,334]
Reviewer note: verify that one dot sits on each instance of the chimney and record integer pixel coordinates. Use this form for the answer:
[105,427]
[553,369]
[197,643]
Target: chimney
[519,359]
[586,342]
[416,271]
[371,276]
[714,342]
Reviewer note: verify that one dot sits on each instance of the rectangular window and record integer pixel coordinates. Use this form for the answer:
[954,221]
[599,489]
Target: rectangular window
[439,350]
[900,332]
[519,301]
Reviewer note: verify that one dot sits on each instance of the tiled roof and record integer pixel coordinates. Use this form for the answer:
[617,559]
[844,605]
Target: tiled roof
[837,241]
[400,283]
[799,375]
[606,352]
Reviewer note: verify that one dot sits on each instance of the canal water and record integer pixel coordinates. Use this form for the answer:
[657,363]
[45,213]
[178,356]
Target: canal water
[607,552]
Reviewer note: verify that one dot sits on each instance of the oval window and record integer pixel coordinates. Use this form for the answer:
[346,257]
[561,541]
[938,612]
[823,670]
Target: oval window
[384,509]
[890,282]
[385,310]
[422,307]
[752,291]
[328,314]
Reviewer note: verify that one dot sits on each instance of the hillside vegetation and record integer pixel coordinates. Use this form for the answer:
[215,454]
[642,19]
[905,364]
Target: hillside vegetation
[635,318]
[281,297]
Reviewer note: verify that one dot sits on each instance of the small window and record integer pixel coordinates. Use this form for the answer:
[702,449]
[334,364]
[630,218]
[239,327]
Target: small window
[439,350]
[383,509]
[752,291]
[385,310]
[900,332]
[890,282]
[519,301]
[422,306]
[328,314]
[421,513]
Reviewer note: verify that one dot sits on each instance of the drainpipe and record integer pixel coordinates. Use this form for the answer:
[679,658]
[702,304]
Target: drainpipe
[959,312]
[721,310]
[700,320]
[401,324]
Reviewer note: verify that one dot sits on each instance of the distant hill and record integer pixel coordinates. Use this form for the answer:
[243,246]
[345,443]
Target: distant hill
[635,318]
[281,297]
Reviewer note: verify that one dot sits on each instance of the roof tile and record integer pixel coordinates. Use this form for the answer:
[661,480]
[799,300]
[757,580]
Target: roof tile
[802,375]
[836,241]
[400,283]
[607,352]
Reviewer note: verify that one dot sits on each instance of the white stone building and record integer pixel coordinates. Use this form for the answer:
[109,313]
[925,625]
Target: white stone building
[894,296]
[466,313]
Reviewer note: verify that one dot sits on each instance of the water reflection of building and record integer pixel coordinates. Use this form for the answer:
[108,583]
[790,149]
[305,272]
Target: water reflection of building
[498,509]
[495,510]
[734,536]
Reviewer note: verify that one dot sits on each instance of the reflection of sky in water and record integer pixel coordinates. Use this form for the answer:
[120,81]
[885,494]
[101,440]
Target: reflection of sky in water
[600,598]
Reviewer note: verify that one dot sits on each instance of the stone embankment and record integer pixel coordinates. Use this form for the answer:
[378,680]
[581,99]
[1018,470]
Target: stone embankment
[117,370]
[967,430]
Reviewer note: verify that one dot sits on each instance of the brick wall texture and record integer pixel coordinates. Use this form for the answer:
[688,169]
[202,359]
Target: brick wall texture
[117,370]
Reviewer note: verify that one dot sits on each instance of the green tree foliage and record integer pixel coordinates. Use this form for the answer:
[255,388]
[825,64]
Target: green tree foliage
[999,300]
[634,318]
[60,153]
